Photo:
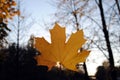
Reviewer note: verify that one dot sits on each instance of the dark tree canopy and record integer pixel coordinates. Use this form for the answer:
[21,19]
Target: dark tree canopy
[24,66]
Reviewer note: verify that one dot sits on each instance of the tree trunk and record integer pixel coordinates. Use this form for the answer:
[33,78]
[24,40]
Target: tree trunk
[86,73]
[106,35]
[118,6]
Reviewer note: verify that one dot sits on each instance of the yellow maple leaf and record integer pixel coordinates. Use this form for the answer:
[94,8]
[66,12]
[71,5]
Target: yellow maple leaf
[60,50]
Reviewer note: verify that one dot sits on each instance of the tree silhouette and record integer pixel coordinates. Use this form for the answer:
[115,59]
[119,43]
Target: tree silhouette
[27,68]
[101,73]
[108,44]
[23,68]
[3,33]
[7,10]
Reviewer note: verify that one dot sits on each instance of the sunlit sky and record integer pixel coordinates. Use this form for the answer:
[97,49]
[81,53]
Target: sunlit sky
[41,11]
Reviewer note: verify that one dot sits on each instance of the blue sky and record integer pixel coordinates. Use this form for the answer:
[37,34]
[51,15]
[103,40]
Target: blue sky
[41,11]
[39,8]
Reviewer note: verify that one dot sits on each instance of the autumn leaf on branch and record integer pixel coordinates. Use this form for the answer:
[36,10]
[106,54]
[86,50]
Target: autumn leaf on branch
[7,10]
[67,53]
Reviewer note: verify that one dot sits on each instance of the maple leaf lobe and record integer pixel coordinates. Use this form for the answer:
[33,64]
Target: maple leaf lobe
[60,50]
